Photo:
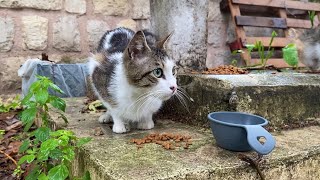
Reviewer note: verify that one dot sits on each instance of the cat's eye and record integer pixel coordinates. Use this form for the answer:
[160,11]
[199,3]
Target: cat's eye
[158,72]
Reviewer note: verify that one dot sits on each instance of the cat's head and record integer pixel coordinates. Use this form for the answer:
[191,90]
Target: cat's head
[149,68]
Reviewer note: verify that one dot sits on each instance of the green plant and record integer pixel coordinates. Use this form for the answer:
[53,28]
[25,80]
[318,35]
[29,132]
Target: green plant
[47,152]
[94,105]
[37,100]
[50,153]
[290,55]
[10,104]
[312,15]
[2,132]
[258,46]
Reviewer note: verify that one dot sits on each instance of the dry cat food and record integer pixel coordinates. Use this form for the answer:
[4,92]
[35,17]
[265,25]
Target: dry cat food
[224,69]
[166,140]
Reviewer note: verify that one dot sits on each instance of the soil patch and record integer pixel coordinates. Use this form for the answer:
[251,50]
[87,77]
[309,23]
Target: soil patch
[9,144]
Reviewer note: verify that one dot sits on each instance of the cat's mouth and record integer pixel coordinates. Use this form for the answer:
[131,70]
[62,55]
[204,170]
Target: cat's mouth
[168,96]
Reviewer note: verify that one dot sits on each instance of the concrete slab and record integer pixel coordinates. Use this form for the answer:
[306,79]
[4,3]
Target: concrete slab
[283,98]
[112,156]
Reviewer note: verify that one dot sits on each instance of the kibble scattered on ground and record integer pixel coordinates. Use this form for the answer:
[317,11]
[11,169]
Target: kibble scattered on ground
[166,140]
[224,69]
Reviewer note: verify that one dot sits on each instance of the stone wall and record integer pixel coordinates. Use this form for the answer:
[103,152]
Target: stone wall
[64,29]
[68,30]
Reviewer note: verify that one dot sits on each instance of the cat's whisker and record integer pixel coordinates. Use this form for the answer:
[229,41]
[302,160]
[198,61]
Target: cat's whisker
[185,94]
[182,101]
[156,95]
[145,103]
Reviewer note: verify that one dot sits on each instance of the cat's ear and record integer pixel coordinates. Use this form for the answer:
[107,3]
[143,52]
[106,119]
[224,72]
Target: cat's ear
[138,45]
[162,44]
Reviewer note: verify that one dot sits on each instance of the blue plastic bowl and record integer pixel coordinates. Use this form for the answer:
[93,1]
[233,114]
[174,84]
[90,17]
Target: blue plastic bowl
[237,131]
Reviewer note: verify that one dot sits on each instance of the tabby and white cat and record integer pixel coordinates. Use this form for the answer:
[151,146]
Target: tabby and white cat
[132,75]
[308,45]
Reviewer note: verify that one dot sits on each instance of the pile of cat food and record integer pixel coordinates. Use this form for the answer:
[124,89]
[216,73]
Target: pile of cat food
[167,140]
[224,69]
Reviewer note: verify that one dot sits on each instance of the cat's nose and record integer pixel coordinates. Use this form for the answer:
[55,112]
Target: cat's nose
[173,88]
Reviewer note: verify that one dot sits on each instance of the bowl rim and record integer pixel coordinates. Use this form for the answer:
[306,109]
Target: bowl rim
[236,125]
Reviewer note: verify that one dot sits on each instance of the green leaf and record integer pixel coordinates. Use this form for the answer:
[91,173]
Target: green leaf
[34,174]
[55,88]
[83,141]
[290,55]
[42,133]
[62,132]
[64,118]
[43,177]
[49,144]
[59,172]
[41,95]
[27,158]
[24,146]
[69,153]
[56,154]
[46,147]
[58,103]
[250,47]
[28,116]
[86,176]
[26,99]
[35,86]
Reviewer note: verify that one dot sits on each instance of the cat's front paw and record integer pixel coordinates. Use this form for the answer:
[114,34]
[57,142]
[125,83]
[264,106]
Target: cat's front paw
[119,128]
[145,125]
[105,118]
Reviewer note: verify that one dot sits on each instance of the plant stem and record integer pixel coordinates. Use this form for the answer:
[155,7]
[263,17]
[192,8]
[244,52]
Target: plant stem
[8,156]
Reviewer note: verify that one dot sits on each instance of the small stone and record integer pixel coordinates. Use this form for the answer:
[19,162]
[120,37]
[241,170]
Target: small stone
[36,4]
[98,131]
[128,23]
[76,6]
[140,9]
[111,7]
[95,30]
[66,35]
[35,32]
[7,34]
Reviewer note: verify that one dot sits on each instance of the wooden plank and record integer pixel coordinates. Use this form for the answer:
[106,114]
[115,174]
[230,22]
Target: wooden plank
[279,63]
[270,3]
[302,5]
[283,14]
[300,23]
[277,41]
[235,11]
[286,4]
[261,21]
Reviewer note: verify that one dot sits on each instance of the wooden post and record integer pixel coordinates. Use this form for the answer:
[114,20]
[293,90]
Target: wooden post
[235,11]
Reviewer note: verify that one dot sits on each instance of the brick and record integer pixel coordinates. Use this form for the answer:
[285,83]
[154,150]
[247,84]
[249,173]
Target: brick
[128,23]
[7,34]
[35,4]
[111,7]
[35,32]
[95,30]
[66,34]
[10,82]
[140,9]
[76,6]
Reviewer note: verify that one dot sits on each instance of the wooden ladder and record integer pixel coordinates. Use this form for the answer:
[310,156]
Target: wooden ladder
[280,22]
